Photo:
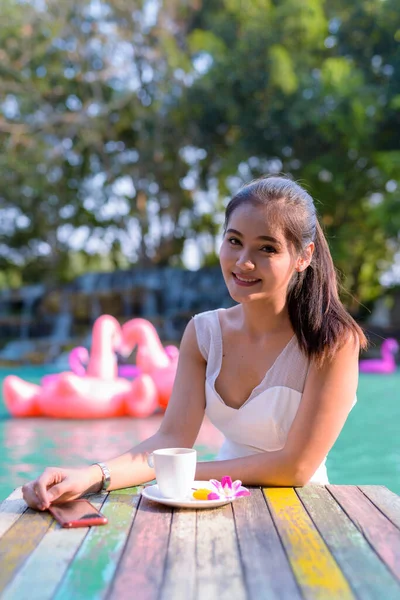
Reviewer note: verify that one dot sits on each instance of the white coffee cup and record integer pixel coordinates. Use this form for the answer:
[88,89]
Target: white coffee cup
[175,470]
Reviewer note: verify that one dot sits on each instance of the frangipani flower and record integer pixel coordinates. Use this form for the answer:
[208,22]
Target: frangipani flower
[226,490]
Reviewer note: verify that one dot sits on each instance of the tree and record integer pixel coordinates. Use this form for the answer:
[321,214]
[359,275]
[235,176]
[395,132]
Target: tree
[308,89]
[126,126]
[91,151]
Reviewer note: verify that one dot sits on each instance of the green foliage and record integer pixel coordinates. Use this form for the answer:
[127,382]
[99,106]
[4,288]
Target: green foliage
[282,75]
[302,24]
[123,131]
[321,110]
[200,41]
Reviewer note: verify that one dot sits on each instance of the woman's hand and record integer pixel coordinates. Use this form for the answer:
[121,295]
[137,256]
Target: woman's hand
[59,485]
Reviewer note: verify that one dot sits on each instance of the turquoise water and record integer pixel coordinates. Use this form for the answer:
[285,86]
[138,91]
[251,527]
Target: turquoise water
[367,451]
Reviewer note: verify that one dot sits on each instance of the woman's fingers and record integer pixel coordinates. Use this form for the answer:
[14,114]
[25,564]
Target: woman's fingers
[30,496]
[37,493]
[45,483]
[62,492]
[55,485]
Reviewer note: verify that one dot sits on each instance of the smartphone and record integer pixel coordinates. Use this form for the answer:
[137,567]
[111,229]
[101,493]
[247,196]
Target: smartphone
[77,513]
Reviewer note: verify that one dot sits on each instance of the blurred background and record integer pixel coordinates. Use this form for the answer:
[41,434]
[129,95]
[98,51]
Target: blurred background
[125,127]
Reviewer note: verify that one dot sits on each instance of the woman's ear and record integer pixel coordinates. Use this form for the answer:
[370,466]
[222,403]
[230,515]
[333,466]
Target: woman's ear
[304,260]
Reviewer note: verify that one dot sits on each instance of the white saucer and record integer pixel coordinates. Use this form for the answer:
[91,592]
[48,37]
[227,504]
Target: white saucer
[153,493]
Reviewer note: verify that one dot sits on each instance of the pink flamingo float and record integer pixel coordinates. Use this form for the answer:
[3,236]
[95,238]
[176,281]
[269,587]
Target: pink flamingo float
[386,364]
[67,395]
[98,391]
[157,364]
[79,357]
[78,360]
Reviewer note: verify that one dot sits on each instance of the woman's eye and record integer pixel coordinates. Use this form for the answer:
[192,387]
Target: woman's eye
[233,241]
[268,249]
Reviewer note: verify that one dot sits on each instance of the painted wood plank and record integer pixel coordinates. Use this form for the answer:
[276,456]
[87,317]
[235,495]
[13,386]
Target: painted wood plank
[383,536]
[19,541]
[50,559]
[316,571]
[11,509]
[142,565]
[15,495]
[219,568]
[365,572]
[386,500]
[267,572]
[91,572]
[180,570]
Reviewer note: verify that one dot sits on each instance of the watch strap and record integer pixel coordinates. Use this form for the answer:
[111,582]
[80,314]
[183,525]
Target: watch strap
[106,476]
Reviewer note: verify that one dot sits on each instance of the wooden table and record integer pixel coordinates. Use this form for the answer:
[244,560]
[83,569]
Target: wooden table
[320,542]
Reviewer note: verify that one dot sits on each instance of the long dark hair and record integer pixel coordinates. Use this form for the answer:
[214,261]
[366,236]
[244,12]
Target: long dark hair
[321,323]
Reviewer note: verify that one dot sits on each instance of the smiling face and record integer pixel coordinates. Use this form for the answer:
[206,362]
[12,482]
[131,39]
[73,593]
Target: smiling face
[257,261]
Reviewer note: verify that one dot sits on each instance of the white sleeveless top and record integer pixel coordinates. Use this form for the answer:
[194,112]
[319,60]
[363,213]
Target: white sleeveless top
[262,423]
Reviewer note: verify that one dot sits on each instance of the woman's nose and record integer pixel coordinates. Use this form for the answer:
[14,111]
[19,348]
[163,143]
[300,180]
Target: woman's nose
[244,261]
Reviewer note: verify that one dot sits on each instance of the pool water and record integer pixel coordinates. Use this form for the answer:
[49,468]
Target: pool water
[366,452]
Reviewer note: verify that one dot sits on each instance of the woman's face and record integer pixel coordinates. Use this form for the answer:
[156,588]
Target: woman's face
[256,260]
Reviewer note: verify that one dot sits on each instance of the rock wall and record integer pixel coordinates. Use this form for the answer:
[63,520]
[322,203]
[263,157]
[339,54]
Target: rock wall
[58,318]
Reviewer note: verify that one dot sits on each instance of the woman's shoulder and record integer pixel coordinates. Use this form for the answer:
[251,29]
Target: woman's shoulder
[207,326]
[207,314]
[211,317]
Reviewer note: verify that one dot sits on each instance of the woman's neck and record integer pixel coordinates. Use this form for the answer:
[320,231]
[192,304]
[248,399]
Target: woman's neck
[261,319]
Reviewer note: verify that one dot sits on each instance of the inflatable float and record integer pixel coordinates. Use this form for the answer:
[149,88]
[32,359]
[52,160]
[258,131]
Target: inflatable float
[99,391]
[157,364]
[78,360]
[384,365]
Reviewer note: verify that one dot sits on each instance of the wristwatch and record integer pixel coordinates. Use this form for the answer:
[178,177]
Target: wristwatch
[105,484]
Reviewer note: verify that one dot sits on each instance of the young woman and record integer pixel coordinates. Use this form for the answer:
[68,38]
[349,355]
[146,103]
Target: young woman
[277,373]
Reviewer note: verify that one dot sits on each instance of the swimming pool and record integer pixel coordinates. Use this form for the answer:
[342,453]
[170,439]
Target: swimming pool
[367,451]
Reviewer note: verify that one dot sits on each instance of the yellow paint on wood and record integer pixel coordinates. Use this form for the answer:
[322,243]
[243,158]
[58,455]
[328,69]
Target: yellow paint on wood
[315,569]
[20,541]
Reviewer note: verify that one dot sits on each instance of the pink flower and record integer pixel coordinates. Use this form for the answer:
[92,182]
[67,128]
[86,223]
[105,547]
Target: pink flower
[226,490]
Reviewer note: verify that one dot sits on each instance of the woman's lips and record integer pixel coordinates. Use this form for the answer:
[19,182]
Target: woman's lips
[245,281]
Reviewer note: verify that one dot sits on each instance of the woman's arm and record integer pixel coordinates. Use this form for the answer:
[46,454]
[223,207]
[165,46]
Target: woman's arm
[327,399]
[179,428]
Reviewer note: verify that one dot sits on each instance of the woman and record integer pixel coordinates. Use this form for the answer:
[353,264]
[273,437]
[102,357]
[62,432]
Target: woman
[277,373]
